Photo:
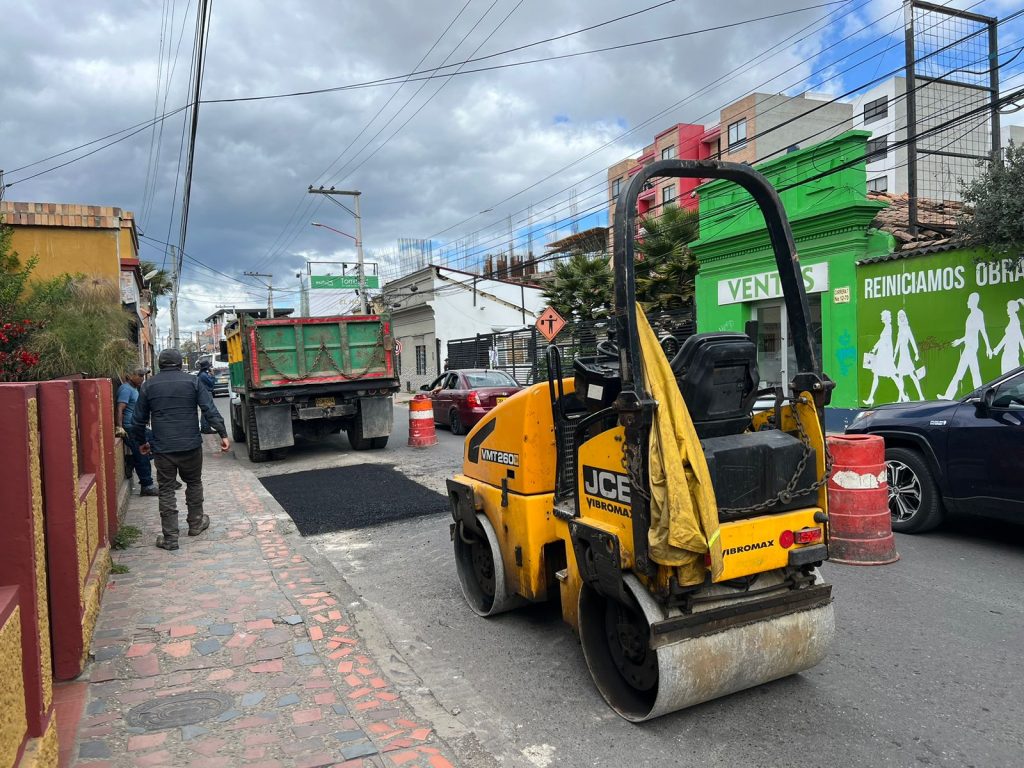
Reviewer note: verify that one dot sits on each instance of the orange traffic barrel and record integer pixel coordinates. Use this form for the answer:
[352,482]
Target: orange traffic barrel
[421,422]
[860,528]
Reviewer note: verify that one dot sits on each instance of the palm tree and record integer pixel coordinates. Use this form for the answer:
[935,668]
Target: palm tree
[666,268]
[582,286]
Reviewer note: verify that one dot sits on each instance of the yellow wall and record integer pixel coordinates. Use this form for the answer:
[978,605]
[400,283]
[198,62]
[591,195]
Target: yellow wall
[12,689]
[72,250]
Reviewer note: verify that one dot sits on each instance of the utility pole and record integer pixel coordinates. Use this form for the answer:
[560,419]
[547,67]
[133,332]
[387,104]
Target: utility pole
[175,275]
[331,193]
[270,290]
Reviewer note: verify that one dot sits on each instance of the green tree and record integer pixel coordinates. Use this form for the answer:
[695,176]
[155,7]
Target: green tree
[582,284]
[666,269]
[993,214]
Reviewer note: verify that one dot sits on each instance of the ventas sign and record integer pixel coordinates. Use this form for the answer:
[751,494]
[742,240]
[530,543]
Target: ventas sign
[767,285]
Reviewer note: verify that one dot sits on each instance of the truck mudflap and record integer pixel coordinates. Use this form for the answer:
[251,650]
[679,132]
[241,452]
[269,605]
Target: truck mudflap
[377,415]
[274,424]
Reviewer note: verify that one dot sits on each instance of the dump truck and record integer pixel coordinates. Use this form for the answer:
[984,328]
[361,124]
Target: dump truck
[310,377]
[680,527]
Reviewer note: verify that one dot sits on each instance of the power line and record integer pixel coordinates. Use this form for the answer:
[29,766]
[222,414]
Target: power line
[468,256]
[433,74]
[202,38]
[603,205]
[485,14]
[305,203]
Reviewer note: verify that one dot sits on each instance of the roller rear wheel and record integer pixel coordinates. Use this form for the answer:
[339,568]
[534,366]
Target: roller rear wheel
[481,571]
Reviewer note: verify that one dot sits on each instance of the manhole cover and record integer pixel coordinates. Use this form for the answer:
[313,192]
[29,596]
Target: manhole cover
[180,709]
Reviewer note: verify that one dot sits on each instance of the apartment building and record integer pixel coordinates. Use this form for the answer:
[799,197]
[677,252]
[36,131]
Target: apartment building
[945,155]
[764,126]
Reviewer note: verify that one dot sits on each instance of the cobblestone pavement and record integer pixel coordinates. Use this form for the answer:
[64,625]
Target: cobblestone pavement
[240,616]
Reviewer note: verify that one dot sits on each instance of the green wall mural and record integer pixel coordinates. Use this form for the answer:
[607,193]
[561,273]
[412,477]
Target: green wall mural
[937,326]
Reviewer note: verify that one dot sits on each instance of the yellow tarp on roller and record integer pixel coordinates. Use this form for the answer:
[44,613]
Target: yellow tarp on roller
[684,515]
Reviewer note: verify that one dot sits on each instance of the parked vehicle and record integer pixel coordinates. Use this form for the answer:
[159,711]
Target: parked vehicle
[944,456]
[461,398]
[221,376]
[310,377]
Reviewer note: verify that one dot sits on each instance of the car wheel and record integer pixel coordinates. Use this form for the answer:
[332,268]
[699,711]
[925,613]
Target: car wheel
[456,423]
[914,503]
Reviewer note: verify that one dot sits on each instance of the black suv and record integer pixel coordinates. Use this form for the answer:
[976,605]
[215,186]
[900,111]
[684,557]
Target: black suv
[962,455]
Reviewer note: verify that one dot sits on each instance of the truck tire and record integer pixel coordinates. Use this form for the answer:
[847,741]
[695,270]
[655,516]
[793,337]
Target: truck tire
[237,430]
[360,443]
[252,443]
[355,435]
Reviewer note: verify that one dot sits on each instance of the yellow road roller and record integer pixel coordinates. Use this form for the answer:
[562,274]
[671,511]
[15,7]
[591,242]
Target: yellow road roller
[676,509]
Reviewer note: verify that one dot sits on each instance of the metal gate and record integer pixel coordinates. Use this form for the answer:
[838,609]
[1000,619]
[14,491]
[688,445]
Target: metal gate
[520,353]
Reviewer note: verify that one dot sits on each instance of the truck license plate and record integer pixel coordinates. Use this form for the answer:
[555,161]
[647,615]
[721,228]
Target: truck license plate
[325,402]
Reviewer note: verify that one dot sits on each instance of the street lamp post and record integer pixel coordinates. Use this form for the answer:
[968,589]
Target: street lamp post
[358,238]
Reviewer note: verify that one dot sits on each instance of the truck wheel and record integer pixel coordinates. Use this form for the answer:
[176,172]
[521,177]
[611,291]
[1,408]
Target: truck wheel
[355,435]
[252,444]
[237,431]
[380,442]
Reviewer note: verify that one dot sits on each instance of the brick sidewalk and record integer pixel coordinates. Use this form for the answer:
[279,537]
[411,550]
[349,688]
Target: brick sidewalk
[241,615]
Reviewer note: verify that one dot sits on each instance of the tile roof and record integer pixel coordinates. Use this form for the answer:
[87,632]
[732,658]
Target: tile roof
[65,215]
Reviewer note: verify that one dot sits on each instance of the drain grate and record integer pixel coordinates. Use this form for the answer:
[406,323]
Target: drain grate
[178,710]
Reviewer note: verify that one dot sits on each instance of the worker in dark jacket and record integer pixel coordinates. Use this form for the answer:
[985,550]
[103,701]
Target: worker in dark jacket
[169,400]
[207,379]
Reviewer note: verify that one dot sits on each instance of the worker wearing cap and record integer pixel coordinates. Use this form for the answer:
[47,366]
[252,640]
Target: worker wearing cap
[127,395]
[207,379]
[169,400]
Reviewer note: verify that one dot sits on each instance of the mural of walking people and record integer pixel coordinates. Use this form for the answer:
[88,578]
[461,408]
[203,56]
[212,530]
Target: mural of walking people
[881,360]
[907,356]
[973,328]
[1012,344]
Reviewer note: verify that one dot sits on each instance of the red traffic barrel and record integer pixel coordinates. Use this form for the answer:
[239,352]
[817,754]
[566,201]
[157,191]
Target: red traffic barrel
[421,422]
[860,528]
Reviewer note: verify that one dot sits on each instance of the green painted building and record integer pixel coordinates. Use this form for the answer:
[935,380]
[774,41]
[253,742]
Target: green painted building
[831,218]
[936,322]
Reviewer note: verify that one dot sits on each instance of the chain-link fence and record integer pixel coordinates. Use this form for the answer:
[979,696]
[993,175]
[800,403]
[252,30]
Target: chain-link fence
[521,353]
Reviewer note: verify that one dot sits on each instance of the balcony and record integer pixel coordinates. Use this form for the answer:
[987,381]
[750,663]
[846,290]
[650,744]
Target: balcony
[647,192]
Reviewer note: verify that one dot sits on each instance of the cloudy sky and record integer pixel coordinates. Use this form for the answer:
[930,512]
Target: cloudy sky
[442,159]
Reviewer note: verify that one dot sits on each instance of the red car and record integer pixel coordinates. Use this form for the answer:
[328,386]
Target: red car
[461,398]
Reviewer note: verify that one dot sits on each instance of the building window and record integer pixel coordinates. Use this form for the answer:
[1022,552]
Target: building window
[668,195]
[421,359]
[668,153]
[877,149]
[878,184]
[876,110]
[616,187]
[737,134]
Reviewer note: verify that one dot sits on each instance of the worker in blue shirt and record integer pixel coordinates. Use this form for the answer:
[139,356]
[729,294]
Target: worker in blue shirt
[127,396]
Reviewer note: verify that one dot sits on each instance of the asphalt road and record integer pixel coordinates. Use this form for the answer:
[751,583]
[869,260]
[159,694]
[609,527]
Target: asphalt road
[925,669]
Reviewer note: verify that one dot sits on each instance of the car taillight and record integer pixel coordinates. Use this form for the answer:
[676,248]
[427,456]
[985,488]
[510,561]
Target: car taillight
[473,399]
[807,535]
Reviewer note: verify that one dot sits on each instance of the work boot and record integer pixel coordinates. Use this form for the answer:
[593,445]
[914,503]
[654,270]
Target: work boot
[169,544]
[149,490]
[202,525]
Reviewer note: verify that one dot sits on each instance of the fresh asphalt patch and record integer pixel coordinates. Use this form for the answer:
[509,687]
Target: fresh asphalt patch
[359,496]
